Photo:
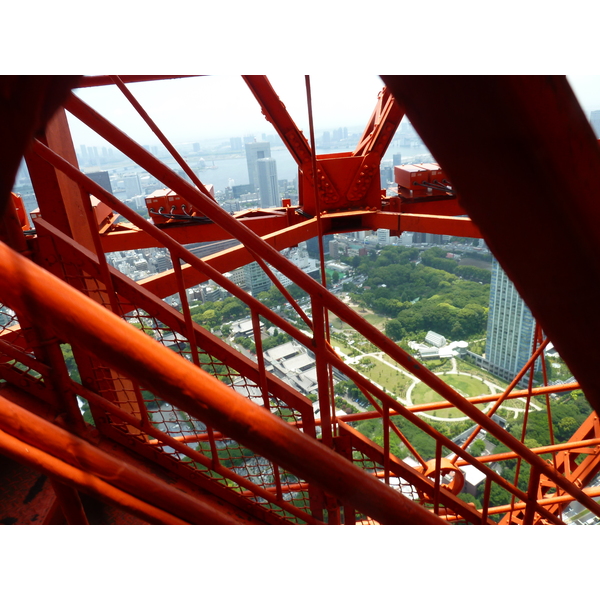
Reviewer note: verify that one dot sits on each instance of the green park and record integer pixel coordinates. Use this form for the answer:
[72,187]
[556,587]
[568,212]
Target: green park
[466,385]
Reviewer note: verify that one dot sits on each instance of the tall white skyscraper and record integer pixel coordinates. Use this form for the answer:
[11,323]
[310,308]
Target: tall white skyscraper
[510,329]
[254,152]
[268,187]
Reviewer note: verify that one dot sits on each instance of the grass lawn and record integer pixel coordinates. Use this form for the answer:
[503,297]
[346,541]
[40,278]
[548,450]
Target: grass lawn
[393,381]
[375,320]
[337,323]
[467,386]
[467,367]
[345,348]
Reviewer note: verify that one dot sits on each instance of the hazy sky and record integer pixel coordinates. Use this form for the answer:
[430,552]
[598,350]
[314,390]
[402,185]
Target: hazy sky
[197,108]
[201,108]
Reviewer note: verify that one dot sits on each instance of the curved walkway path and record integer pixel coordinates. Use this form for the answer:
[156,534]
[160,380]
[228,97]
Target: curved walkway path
[494,388]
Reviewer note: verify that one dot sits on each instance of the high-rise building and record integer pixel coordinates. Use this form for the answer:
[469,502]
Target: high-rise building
[510,328]
[237,276]
[334,249]
[163,262]
[256,279]
[267,182]
[433,238]
[102,178]
[132,185]
[387,173]
[397,159]
[595,122]
[236,144]
[383,236]
[312,245]
[238,190]
[254,152]
[231,206]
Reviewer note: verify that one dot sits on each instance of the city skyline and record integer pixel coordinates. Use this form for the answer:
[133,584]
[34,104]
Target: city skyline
[219,107]
[215,107]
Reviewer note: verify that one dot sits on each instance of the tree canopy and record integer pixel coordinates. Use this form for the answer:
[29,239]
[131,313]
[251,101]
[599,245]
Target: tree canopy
[433,294]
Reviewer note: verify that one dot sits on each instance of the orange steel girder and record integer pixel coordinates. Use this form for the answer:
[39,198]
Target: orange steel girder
[373,144]
[132,295]
[133,353]
[444,390]
[342,177]
[565,461]
[68,208]
[341,181]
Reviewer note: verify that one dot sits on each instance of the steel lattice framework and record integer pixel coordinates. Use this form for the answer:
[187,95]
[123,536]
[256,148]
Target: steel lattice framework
[238,445]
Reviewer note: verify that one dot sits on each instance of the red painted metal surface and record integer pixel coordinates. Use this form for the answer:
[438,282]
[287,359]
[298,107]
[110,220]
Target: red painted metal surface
[133,353]
[336,476]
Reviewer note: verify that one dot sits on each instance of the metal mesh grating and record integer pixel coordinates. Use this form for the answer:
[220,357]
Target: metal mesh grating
[13,338]
[191,436]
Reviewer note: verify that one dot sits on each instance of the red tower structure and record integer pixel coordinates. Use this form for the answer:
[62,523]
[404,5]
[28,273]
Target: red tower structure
[199,432]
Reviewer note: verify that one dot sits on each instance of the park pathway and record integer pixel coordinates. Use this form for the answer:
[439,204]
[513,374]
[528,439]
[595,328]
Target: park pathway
[408,401]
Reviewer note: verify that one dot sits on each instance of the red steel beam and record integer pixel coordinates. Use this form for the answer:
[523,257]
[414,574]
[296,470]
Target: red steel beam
[164,284]
[179,443]
[138,297]
[275,112]
[586,440]
[66,447]
[592,492]
[166,241]
[475,400]
[14,336]
[69,475]
[411,475]
[475,415]
[156,130]
[217,214]
[276,221]
[374,142]
[520,151]
[262,222]
[381,127]
[28,102]
[80,319]
[563,447]
[448,225]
